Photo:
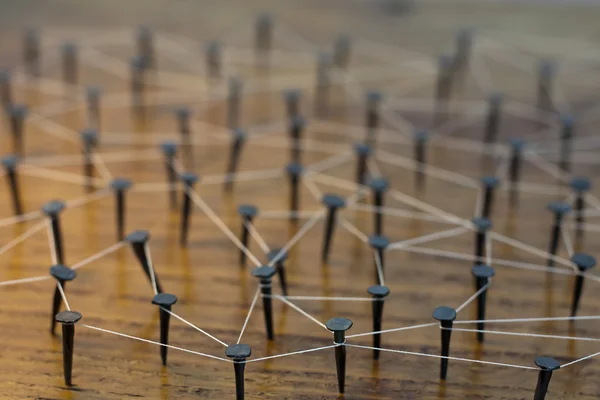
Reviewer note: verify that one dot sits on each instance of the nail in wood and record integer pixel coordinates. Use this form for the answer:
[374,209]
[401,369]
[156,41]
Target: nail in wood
[237,143]
[52,210]
[379,244]
[446,316]
[482,275]
[145,46]
[339,326]
[239,353]
[62,274]
[68,319]
[482,226]
[492,122]
[560,210]
[89,139]
[333,203]
[547,366]
[169,149]
[566,139]
[120,186]
[164,301]
[580,186]
[378,293]
[32,52]
[378,187]
[489,184]
[279,256]
[292,102]
[189,179]
[294,172]
[9,163]
[265,274]
[363,151]
[213,60]
[18,112]
[584,262]
[342,51]
[93,106]
[421,138]
[139,245]
[234,100]
[296,128]
[247,213]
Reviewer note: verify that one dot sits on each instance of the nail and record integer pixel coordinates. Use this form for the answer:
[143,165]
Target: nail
[89,139]
[10,166]
[169,150]
[280,258]
[296,128]
[482,226]
[264,33]
[237,143]
[378,187]
[492,123]
[164,301]
[482,275]
[93,106]
[294,171]
[546,74]
[247,213]
[188,179]
[584,262]
[372,118]
[446,316]
[580,185]
[489,183]
[52,210]
[139,243]
[18,112]
[234,100]
[138,68]
[566,136]
[292,101]
[363,151]
[342,51]
[332,202]
[379,244]
[62,274]
[145,46]
[559,209]
[516,145]
[421,138]
[379,293]
[5,89]
[68,319]
[265,274]
[239,353]
[120,186]
[213,60]
[69,54]
[339,326]
[321,101]
[547,366]
[32,52]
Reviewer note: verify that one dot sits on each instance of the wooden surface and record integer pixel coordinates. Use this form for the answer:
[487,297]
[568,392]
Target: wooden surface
[214,292]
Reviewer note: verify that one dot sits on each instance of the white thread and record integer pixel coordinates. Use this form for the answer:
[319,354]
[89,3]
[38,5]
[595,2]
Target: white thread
[249,313]
[379,268]
[428,238]
[488,248]
[62,294]
[305,228]
[406,328]
[96,256]
[399,213]
[530,249]
[476,295]
[524,334]
[449,358]
[151,267]
[287,214]
[353,229]
[581,359]
[194,326]
[60,176]
[254,233]
[567,239]
[153,342]
[292,353]
[217,221]
[489,321]
[24,280]
[326,298]
[312,188]
[87,198]
[29,232]
[52,242]
[301,311]
[478,202]
[20,218]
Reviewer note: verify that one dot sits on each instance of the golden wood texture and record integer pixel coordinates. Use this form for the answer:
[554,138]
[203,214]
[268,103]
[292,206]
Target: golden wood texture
[394,52]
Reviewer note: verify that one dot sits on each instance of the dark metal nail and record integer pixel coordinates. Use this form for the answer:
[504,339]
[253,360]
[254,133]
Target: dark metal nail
[446,316]
[89,141]
[559,209]
[421,138]
[378,187]
[296,127]
[584,262]
[10,163]
[169,150]
[339,326]
[93,106]
[379,244]
[566,139]
[489,184]
[164,301]
[379,293]
[18,112]
[492,122]
[294,171]
[481,274]
[120,186]
[239,353]
[52,210]
[139,242]
[237,143]
[580,185]
[333,203]
[547,366]
[68,319]
[188,179]
[234,100]
[362,153]
[62,274]
[265,274]
[292,101]
[482,226]
[279,257]
[247,213]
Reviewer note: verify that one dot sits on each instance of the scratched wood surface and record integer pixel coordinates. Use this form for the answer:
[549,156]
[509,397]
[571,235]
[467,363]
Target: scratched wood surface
[394,50]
